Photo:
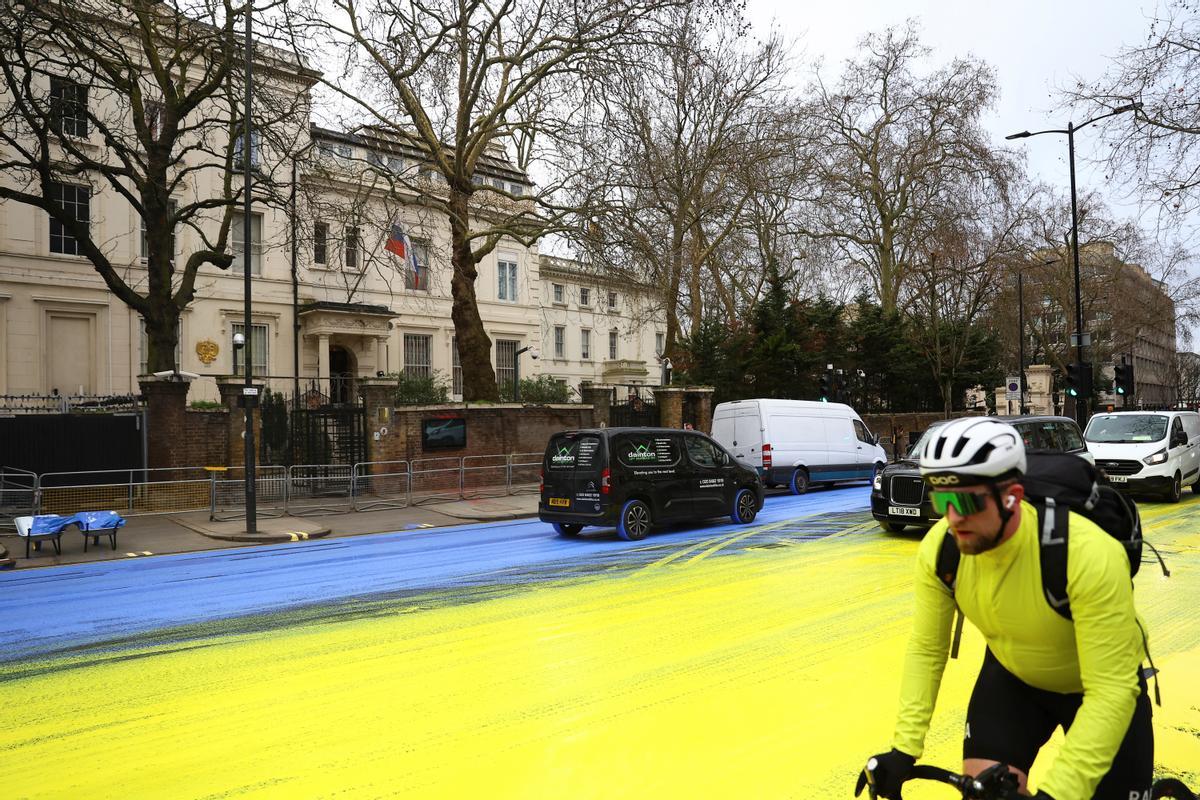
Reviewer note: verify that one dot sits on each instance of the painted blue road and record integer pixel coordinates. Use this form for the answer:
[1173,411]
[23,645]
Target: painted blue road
[55,608]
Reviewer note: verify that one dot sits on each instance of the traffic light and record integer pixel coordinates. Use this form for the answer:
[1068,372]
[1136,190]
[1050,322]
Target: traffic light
[1079,379]
[825,389]
[1123,379]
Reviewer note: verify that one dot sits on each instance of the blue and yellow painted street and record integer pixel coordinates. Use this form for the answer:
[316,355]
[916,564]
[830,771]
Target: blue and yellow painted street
[725,662]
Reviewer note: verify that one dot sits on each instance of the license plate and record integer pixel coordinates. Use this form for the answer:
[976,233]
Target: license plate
[904,511]
[1118,478]
[560,501]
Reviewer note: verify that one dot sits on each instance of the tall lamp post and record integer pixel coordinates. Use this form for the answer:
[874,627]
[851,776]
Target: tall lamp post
[1081,408]
[534,353]
[249,393]
[1021,342]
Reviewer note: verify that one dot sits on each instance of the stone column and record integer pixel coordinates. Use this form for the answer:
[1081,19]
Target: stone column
[599,397]
[670,406]
[381,364]
[166,420]
[230,387]
[323,364]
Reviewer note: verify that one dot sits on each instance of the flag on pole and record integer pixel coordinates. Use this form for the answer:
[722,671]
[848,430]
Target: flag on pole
[399,243]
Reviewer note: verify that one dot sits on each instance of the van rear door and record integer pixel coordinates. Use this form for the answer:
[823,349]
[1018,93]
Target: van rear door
[572,472]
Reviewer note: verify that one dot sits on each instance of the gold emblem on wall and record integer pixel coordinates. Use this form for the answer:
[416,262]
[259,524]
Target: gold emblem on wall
[207,350]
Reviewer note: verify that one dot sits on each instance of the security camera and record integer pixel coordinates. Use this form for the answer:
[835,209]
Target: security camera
[239,340]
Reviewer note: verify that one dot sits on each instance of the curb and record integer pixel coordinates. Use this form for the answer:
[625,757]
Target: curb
[292,534]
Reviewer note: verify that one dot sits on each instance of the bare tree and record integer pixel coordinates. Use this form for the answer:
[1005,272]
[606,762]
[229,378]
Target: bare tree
[138,99]
[467,82]
[1161,150]
[892,151]
[690,133]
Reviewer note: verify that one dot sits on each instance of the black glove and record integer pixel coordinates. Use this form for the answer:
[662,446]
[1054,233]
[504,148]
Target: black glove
[887,775]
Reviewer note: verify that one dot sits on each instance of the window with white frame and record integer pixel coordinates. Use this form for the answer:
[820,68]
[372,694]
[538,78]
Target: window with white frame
[77,202]
[257,345]
[585,344]
[612,301]
[659,343]
[320,242]
[239,245]
[144,346]
[507,288]
[612,345]
[559,292]
[456,383]
[353,258]
[68,107]
[255,147]
[417,349]
[560,341]
[585,296]
[506,364]
[145,246]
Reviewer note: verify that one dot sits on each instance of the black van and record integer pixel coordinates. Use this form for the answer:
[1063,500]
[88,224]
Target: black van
[633,478]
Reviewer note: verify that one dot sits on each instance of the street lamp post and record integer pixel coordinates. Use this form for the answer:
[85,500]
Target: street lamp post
[1081,408]
[1021,343]
[517,369]
[249,393]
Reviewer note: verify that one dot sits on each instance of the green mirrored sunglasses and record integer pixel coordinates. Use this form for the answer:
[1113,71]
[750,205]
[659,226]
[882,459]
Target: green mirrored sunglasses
[965,503]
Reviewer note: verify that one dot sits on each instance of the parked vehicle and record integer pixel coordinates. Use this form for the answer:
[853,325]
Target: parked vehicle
[635,478]
[899,497]
[1147,452]
[797,443]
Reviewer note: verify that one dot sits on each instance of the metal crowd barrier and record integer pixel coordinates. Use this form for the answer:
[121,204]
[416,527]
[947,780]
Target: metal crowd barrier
[127,491]
[297,490]
[18,495]
[381,484]
[319,489]
[228,492]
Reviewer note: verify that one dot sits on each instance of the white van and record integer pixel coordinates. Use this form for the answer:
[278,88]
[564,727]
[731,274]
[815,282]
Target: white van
[796,443]
[1147,452]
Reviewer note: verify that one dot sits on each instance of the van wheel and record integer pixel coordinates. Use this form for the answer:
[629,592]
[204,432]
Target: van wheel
[745,507]
[567,529]
[891,527]
[635,521]
[1176,490]
[799,482]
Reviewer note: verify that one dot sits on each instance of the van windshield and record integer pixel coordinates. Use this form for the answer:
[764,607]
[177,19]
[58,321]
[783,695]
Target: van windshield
[568,452]
[1126,428]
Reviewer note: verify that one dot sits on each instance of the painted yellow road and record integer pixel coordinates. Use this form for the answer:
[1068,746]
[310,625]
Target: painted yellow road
[767,672]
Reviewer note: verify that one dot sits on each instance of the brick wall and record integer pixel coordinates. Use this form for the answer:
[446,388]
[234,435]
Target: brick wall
[204,434]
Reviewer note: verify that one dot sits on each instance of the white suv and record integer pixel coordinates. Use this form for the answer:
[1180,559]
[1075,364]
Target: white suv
[1147,452]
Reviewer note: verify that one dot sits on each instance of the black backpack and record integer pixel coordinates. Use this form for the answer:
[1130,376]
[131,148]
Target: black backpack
[1057,484]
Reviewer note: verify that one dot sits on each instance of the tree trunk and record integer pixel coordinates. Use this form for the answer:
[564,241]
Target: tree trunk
[162,327]
[474,345]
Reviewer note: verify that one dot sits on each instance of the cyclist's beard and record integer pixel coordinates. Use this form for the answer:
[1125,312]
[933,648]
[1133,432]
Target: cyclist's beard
[978,543]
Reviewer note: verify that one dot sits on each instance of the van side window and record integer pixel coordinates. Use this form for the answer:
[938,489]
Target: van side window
[702,452]
[862,433]
[1176,427]
[647,450]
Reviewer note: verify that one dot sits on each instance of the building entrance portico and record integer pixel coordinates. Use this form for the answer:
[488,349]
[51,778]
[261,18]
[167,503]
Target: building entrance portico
[350,340]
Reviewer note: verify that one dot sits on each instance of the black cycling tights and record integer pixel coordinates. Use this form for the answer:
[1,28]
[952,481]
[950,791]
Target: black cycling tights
[1009,721]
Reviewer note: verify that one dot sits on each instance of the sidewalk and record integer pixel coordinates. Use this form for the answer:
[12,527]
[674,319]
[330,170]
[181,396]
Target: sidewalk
[193,531]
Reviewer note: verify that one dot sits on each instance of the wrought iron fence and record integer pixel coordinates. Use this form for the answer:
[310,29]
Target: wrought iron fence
[68,403]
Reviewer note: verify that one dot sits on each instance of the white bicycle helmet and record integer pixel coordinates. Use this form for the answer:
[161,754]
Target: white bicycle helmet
[972,450]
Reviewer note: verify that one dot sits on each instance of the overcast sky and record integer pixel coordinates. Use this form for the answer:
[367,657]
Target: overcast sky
[1034,46]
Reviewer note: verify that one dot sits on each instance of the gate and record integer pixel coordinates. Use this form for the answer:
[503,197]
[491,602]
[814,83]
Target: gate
[332,434]
[308,429]
[633,406]
[67,436]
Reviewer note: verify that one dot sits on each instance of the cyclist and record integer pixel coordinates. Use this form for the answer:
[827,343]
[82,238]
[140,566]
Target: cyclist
[1040,670]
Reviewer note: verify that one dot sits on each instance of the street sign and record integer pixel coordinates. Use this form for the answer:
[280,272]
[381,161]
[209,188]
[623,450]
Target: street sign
[1087,340]
[251,391]
[1014,388]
